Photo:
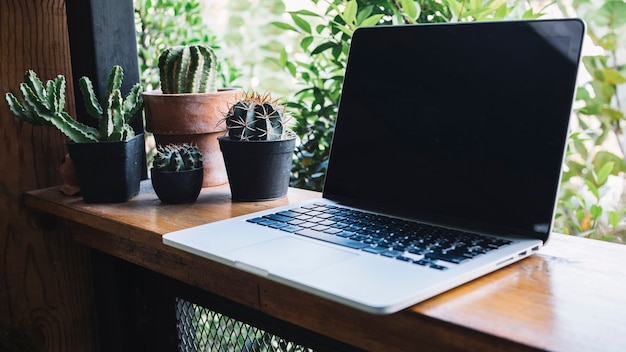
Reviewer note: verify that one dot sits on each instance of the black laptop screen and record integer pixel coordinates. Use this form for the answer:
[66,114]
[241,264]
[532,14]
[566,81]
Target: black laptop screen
[465,123]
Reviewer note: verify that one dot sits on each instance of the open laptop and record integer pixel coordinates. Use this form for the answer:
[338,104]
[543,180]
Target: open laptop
[450,139]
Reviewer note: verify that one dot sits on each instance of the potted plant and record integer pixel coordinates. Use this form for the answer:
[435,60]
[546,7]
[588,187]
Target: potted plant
[177,173]
[188,106]
[107,160]
[257,148]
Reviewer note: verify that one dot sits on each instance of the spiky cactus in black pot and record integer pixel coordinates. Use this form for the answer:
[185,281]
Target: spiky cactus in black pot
[257,148]
[108,159]
[177,173]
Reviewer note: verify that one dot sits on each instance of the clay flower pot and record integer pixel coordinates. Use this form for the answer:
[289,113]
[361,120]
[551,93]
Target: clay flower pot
[192,118]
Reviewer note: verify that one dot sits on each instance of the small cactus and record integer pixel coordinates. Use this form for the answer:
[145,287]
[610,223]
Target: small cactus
[177,157]
[256,117]
[43,106]
[188,69]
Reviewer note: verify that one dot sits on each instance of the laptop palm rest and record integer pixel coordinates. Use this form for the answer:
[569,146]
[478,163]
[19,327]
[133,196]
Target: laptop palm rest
[287,255]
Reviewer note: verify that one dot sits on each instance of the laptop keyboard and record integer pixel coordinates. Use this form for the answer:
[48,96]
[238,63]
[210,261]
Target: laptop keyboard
[398,239]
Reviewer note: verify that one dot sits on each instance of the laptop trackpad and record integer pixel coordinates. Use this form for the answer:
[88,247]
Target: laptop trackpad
[287,255]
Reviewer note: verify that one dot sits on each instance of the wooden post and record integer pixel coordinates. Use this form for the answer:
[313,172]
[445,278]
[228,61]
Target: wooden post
[102,34]
[46,292]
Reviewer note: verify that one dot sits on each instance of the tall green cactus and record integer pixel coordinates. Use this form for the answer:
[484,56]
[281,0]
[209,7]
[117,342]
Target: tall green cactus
[43,106]
[256,117]
[188,69]
[177,157]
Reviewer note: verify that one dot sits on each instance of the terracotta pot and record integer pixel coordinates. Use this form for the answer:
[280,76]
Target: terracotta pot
[192,118]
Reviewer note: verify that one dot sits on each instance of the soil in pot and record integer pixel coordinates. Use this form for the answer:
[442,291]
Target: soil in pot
[177,187]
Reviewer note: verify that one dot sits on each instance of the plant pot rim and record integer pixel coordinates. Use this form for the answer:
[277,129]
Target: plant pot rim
[220,91]
[100,142]
[228,139]
[176,172]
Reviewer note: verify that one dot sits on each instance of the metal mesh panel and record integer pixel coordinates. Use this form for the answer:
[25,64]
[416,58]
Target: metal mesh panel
[201,329]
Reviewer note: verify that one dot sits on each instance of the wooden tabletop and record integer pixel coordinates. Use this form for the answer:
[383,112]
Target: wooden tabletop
[571,296]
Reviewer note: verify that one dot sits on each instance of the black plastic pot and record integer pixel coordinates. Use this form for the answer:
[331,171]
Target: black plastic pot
[108,172]
[258,170]
[177,187]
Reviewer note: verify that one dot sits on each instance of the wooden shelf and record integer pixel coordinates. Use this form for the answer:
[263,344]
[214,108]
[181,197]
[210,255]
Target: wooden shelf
[567,297]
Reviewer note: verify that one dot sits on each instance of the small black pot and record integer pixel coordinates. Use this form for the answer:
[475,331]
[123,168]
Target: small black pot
[108,172]
[177,187]
[258,170]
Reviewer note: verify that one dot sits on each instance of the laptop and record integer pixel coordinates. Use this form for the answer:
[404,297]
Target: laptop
[445,166]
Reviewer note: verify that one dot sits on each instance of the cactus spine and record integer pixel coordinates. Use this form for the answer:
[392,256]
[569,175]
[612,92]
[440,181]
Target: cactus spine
[188,69]
[177,158]
[256,117]
[43,106]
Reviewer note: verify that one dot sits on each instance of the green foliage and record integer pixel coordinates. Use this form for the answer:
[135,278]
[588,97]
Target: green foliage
[325,39]
[596,148]
[188,69]
[161,24]
[256,117]
[177,157]
[43,105]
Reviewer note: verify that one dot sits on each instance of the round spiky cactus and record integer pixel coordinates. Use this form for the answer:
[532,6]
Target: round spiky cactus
[188,69]
[256,117]
[177,157]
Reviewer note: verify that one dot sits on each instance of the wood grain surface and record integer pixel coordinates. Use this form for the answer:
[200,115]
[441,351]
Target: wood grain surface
[45,283]
[568,297]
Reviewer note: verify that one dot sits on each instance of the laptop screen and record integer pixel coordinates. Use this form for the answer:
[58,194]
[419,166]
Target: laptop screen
[461,123]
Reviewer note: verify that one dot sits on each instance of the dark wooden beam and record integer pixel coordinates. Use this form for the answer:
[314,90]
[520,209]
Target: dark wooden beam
[102,34]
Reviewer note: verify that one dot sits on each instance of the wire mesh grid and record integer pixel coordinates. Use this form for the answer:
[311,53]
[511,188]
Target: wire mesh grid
[201,329]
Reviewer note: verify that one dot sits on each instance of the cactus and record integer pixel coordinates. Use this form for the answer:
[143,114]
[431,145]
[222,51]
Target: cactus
[43,106]
[256,117]
[177,157]
[188,69]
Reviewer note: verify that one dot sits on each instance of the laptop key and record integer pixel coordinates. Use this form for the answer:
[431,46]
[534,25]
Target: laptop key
[332,239]
[277,217]
[291,228]
[448,257]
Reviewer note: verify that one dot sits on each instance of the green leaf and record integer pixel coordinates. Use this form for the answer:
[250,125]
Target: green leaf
[305,13]
[611,14]
[343,28]
[349,14]
[612,76]
[300,22]
[411,8]
[614,217]
[322,47]
[284,26]
[605,157]
[306,42]
[595,211]
[604,173]
[371,21]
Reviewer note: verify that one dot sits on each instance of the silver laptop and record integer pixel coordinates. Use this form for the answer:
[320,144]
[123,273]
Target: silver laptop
[445,166]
